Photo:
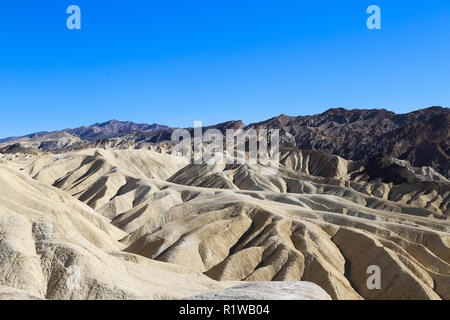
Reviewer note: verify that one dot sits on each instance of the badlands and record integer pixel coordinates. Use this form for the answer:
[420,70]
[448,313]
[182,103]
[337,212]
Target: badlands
[129,220]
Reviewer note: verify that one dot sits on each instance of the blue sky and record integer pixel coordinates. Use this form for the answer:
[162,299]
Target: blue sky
[173,62]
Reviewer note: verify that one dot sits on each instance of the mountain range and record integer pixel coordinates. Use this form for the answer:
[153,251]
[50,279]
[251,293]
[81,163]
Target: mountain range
[421,137]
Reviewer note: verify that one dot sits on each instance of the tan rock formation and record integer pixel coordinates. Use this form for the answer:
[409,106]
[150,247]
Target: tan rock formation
[310,221]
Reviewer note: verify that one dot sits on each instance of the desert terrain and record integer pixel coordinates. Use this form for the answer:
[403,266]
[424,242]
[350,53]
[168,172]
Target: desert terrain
[110,212]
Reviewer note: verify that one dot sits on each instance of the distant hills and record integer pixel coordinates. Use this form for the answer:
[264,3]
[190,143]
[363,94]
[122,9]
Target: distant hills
[112,129]
[421,137]
[109,129]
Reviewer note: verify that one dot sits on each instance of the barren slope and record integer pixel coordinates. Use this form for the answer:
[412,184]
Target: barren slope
[53,246]
[247,222]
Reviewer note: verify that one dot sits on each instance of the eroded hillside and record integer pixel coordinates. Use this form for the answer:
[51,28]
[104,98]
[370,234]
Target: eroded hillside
[319,218]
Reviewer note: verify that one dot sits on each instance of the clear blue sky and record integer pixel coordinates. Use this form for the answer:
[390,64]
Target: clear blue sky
[174,62]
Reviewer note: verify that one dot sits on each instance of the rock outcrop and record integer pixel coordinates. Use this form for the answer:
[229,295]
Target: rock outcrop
[286,290]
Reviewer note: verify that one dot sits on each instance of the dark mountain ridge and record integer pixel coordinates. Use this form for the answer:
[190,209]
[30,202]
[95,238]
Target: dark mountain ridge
[97,131]
[422,137]
[112,129]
